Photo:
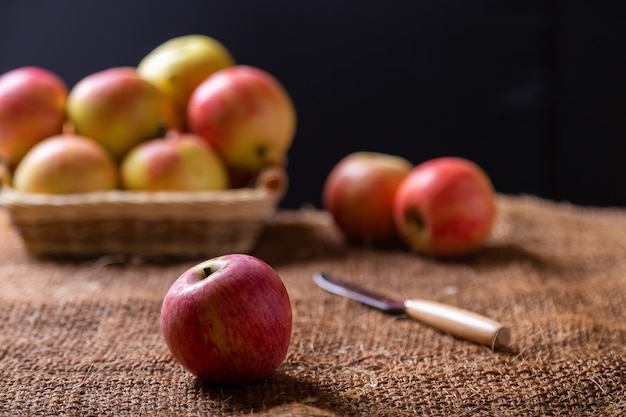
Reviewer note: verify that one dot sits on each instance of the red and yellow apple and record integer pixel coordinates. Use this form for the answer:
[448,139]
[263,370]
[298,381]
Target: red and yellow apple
[179,65]
[228,320]
[445,207]
[176,162]
[359,193]
[246,114]
[66,164]
[119,109]
[32,108]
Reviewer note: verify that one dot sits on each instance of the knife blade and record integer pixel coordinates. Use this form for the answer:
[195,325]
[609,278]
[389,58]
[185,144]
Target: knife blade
[449,319]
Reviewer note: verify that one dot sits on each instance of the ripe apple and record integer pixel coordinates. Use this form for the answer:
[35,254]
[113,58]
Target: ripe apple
[119,109]
[64,164]
[246,114]
[228,319]
[180,64]
[176,162]
[359,193]
[445,207]
[32,108]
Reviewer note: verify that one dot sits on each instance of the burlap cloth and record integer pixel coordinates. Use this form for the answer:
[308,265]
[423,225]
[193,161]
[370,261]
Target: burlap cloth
[82,338]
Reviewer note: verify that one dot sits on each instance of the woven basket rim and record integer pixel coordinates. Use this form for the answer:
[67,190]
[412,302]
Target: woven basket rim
[146,223]
[251,202]
[10,196]
[271,184]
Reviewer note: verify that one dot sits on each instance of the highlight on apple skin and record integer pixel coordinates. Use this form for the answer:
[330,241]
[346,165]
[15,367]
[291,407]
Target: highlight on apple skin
[445,207]
[228,320]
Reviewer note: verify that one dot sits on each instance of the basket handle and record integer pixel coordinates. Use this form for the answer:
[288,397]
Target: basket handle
[274,180]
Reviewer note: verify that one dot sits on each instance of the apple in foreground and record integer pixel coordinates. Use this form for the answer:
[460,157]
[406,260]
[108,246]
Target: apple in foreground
[32,108]
[176,162]
[66,164]
[119,109]
[246,114]
[359,193]
[179,65]
[228,320]
[445,207]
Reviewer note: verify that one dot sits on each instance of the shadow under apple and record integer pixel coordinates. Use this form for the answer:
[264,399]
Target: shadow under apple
[498,256]
[277,391]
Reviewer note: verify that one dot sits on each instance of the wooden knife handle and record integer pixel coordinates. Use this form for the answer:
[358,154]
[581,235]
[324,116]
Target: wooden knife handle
[459,323]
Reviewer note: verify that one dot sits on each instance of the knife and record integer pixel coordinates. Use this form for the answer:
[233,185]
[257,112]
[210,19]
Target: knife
[446,318]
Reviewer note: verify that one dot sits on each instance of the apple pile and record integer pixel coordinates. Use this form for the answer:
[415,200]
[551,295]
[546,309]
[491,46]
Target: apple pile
[444,207]
[185,118]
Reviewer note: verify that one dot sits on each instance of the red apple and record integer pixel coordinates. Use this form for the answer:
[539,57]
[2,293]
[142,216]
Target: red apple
[359,193]
[32,108]
[246,114]
[119,109]
[177,162]
[445,207]
[65,164]
[228,320]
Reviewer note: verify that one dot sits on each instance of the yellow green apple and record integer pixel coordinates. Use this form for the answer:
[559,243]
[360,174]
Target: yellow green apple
[66,164]
[119,109]
[176,162]
[180,64]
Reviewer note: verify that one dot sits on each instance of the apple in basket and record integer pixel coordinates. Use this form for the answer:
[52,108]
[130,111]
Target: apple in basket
[179,65]
[359,192]
[228,320]
[32,108]
[246,114]
[445,207]
[119,109]
[176,162]
[65,164]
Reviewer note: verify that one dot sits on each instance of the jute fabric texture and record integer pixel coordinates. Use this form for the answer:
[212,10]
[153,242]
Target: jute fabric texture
[81,337]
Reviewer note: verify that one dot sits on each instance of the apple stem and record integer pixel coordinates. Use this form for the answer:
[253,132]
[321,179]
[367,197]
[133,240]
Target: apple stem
[162,129]
[261,152]
[415,219]
[208,270]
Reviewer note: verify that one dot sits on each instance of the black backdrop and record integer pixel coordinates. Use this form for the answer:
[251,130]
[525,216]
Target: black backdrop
[532,90]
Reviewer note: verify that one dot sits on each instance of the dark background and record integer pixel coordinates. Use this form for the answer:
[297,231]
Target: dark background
[534,91]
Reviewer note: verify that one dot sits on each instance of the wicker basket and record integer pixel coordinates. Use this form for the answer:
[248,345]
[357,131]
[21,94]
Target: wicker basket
[146,224]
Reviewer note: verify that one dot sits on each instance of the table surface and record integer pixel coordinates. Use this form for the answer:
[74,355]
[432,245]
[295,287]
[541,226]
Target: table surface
[82,337]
